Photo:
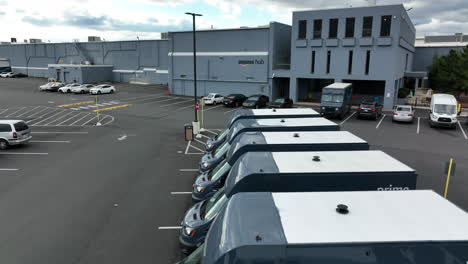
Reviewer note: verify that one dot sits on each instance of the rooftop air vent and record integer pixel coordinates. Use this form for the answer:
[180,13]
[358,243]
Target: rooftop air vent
[274,110]
[282,121]
[316,158]
[296,135]
[342,209]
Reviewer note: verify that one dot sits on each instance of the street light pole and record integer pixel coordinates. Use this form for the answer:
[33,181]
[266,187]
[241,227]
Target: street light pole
[194,64]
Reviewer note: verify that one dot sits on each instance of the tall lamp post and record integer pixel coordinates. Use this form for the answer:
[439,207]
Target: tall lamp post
[194,15]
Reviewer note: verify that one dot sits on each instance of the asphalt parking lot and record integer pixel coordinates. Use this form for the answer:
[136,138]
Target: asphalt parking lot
[116,193]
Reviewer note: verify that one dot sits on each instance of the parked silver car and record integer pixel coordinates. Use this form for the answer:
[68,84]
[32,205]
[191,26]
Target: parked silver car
[403,113]
[13,132]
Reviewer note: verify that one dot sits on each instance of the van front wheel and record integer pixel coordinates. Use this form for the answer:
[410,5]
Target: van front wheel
[3,144]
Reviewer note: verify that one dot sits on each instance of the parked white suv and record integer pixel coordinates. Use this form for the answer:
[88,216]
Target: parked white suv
[13,132]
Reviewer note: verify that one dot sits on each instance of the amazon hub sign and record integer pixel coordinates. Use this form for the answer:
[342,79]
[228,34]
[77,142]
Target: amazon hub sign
[245,63]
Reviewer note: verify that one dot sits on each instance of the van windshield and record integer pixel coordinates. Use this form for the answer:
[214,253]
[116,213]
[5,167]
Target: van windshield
[219,171]
[222,150]
[21,126]
[215,204]
[445,109]
[332,98]
[195,257]
[223,134]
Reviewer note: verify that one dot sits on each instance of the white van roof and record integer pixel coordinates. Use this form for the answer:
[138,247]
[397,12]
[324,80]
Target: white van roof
[291,122]
[338,85]
[284,111]
[338,162]
[445,99]
[393,216]
[319,137]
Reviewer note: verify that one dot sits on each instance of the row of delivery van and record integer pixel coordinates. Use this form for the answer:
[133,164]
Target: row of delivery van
[287,186]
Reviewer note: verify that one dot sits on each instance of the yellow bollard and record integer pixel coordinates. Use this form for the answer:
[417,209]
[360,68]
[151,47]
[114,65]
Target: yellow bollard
[448,177]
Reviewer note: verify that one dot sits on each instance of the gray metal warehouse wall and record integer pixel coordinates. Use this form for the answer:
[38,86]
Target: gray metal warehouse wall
[228,61]
[145,61]
[423,56]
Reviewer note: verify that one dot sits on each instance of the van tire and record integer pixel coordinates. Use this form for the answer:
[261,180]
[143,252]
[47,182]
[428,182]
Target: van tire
[3,144]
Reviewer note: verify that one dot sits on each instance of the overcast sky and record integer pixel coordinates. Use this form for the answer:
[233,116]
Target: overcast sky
[66,20]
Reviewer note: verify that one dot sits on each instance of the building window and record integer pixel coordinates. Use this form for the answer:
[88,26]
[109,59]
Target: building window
[367,62]
[302,29]
[406,62]
[312,68]
[385,26]
[350,62]
[317,28]
[333,29]
[367,27]
[328,61]
[350,27]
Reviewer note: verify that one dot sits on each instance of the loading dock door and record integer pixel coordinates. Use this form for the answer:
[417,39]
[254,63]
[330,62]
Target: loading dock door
[66,77]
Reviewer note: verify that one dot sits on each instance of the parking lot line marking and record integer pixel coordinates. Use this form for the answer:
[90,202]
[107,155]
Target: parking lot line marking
[204,136]
[3,111]
[69,119]
[211,108]
[84,107]
[112,108]
[8,169]
[94,117]
[65,115]
[383,117]
[462,130]
[169,227]
[188,146]
[110,121]
[16,111]
[199,141]
[60,112]
[50,141]
[178,193]
[21,153]
[182,102]
[419,121]
[207,130]
[346,119]
[30,110]
[197,148]
[230,111]
[60,132]
[43,110]
[79,119]
[75,104]
[188,170]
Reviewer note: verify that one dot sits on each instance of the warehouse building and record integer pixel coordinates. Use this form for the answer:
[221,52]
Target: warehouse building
[119,61]
[241,60]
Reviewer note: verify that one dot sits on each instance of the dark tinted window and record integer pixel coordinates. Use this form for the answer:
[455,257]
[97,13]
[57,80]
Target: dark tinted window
[367,62]
[312,67]
[367,27]
[333,30]
[302,29]
[317,28]
[350,27]
[20,126]
[5,128]
[385,26]
[350,62]
[328,61]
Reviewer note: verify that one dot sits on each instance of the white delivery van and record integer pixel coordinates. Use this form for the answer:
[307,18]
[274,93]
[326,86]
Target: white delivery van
[443,111]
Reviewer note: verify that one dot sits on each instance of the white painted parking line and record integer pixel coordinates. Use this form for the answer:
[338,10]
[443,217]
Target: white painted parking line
[169,227]
[187,170]
[68,119]
[49,141]
[22,153]
[182,102]
[203,152]
[213,107]
[419,122]
[110,121]
[3,111]
[462,130]
[29,111]
[204,136]
[85,107]
[79,119]
[94,117]
[212,132]
[180,193]
[188,146]
[74,109]
[8,169]
[201,142]
[48,118]
[346,119]
[43,110]
[53,121]
[11,114]
[60,132]
[383,117]
[230,111]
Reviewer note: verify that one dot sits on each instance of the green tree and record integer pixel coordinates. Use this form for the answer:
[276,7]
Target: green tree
[449,73]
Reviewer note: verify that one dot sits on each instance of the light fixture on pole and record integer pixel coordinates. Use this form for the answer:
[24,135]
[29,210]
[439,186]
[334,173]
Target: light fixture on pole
[196,124]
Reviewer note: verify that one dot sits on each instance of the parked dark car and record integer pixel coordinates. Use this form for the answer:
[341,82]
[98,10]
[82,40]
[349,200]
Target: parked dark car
[281,103]
[370,109]
[256,101]
[19,75]
[234,100]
